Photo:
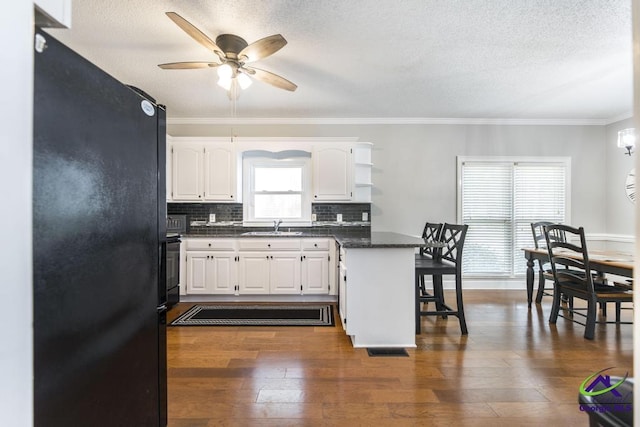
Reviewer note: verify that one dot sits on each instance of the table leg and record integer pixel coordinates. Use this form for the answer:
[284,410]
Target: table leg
[529,281]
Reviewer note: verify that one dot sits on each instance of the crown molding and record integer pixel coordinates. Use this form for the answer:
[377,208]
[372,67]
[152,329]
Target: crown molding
[625,116]
[385,121]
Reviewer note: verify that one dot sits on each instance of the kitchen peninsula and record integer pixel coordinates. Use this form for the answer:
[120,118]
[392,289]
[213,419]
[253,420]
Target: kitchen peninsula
[370,273]
[377,295]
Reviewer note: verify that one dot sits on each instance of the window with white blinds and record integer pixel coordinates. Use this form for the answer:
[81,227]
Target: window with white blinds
[499,199]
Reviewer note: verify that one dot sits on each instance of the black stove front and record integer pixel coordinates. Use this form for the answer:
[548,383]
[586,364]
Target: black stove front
[173,269]
[176,225]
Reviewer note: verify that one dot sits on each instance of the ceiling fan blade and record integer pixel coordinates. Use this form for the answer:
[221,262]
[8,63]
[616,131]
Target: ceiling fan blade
[268,77]
[195,33]
[186,65]
[262,48]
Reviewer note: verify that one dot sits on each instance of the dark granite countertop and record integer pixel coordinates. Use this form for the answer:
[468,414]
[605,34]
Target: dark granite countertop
[347,237]
[378,239]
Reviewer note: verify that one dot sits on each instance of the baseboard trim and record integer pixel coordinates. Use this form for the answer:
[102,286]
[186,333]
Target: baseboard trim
[258,298]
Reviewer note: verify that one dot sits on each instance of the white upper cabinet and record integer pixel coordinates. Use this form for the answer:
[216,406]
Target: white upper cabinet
[206,169]
[187,171]
[203,171]
[332,173]
[169,174]
[219,172]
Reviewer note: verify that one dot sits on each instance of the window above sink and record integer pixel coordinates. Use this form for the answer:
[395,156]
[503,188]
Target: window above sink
[277,186]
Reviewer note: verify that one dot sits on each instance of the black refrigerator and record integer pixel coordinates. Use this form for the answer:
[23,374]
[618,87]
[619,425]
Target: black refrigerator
[99,243]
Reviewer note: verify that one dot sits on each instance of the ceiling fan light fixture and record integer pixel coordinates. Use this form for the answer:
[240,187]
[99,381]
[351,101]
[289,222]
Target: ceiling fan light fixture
[225,83]
[244,81]
[225,72]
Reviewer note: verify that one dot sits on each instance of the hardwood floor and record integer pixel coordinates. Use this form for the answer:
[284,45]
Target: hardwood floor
[512,369]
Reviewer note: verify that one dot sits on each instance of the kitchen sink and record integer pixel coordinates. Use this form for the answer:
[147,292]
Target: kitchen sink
[273,233]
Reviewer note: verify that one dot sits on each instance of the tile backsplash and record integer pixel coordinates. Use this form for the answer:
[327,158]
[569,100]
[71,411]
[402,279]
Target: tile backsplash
[350,211]
[201,211]
[233,211]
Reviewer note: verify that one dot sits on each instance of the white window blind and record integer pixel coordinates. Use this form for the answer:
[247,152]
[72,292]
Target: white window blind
[499,199]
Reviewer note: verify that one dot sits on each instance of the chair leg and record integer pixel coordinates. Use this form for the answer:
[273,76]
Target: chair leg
[541,281]
[438,293]
[555,307]
[423,290]
[590,327]
[603,307]
[618,311]
[417,286]
[460,305]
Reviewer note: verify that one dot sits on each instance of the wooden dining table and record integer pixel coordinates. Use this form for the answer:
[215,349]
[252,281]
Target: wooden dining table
[602,262]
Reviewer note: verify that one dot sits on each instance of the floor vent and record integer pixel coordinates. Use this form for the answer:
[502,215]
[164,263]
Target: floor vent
[387,352]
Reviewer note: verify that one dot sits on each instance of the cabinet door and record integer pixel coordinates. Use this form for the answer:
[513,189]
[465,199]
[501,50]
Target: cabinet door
[219,173]
[284,273]
[332,170]
[315,273]
[224,272]
[169,172]
[254,273]
[198,273]
[342,284]
[187,171]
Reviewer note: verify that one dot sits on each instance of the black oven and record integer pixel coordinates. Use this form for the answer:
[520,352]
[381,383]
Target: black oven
[176,225]
[173,269]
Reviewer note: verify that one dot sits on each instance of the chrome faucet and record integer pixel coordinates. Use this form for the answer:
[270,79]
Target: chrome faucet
[276,224]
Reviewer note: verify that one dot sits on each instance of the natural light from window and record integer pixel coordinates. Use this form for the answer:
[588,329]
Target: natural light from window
[278,192]
[277,188]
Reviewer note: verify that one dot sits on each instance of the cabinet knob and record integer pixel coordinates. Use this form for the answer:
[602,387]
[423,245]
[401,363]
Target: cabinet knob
[315,244]
[209,244]
[267,256]
[232,196]
[315,196]
[199,196]
[269,244]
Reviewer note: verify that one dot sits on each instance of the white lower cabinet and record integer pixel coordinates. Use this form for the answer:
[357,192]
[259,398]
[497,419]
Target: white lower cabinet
[211,272]
[250,266]
[270,266]
[284,273]
[254,273]
[315,273]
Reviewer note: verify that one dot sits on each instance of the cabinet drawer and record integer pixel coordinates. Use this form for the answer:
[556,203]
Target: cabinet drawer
[210,244]
[315,244]
[269,244]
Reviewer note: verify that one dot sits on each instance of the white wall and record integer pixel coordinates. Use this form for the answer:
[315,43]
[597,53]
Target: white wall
[620,210]
[414,171]
[16,111]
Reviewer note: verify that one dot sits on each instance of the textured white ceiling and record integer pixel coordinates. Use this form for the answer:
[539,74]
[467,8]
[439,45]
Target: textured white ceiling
[508,59]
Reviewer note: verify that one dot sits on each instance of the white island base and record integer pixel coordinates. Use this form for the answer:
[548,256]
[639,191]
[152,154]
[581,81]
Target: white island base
[377,300]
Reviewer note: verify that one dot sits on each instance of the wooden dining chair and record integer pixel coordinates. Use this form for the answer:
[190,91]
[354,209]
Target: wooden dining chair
[430,232]
[573,277]
[447,261]
[544,268]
